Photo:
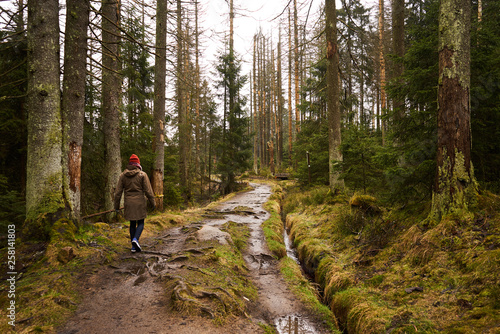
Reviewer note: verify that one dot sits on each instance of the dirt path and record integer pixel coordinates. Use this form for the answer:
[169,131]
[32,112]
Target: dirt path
[129,297]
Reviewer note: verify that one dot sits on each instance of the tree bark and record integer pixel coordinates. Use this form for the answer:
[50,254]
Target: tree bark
[398,33]
[159,101]
[182,121]
[45,201]
[279,132]
[290,102]
[296,66]
[197,102]
[332,100]
[111,96]
[20,18]
[255,107]
[73,99]
[381,58]
[455,188]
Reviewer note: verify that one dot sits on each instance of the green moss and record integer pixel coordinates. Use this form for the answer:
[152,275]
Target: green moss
[273,230]
[306,292]
[454,26]
[268,329]
[63,229]
[239,233]
[457,192]
[376,280]
[365,285]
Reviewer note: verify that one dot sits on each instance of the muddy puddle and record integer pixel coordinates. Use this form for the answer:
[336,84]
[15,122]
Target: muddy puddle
[279,306]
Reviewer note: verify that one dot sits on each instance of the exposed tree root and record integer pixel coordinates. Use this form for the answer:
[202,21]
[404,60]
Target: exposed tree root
[195,269]
[185,297]
[183,303]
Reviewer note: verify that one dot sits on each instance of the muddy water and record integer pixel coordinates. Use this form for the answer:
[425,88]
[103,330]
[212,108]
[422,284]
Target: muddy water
[278,305]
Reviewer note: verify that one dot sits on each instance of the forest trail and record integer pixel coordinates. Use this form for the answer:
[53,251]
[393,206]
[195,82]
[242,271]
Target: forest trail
[129,296]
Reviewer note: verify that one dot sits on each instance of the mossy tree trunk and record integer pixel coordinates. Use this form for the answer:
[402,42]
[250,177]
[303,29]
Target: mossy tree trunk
[455,187]
[332,99]
[73,101]
[111,92]
[159,101]
[45,200]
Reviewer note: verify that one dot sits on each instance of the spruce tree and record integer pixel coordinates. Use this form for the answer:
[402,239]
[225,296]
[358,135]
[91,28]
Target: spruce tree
[235,145]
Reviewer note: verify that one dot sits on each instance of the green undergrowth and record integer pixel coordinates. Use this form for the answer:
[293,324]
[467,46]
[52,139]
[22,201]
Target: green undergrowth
[50,274]
[291,271]
[382,270]
[216,283]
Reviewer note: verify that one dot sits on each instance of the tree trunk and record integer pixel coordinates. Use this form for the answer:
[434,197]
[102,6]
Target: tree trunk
[381,58]
[279,139]
[332,100]
[197,102]
[159,101]
[265,104]
[45,202]
[290,105]
[182,122]
[296,63]
[255,107]
[20,18]
[73,99]
[187,138]
[111,92]
[398,32]
[455,188]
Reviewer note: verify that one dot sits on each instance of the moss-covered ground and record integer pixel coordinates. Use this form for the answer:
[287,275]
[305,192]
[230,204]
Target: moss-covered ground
[383,270]
[300,285]
[50,275]
[48,283]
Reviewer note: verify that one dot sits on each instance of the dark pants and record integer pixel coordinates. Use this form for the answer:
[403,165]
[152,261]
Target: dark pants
[136,227]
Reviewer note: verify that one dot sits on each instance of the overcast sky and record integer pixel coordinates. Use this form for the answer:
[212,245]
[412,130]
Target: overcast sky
[250,16]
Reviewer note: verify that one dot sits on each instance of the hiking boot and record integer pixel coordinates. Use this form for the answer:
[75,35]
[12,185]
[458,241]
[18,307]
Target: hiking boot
[135,243]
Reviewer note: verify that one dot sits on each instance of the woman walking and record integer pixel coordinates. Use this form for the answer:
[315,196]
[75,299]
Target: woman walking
[134,183]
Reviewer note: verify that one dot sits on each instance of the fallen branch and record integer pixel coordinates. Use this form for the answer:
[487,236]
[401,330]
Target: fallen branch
[100,213]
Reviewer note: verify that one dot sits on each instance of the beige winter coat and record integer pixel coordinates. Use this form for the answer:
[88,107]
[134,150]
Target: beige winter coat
[134,183]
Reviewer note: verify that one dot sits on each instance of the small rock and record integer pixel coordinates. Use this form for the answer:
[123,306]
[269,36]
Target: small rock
[213,233]
[416,288]
[65,255]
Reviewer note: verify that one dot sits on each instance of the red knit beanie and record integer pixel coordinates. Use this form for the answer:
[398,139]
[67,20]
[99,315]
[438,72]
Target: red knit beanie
[134,159]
